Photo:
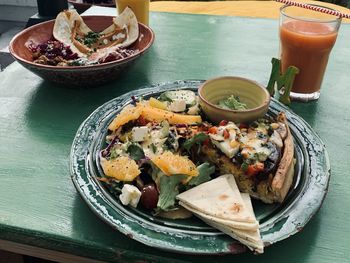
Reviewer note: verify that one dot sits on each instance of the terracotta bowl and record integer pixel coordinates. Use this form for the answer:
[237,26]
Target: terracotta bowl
[82,76]
[254,95]
[81,5]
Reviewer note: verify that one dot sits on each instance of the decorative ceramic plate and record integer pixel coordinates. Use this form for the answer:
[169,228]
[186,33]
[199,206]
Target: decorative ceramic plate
[277,221]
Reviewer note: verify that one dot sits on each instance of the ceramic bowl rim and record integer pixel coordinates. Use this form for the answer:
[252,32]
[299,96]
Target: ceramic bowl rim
[266,102]
[96,66]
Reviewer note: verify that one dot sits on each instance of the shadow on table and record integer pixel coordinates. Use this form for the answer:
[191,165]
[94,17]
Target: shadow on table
[309,110]
[107,244]
[58,111]
[89,227]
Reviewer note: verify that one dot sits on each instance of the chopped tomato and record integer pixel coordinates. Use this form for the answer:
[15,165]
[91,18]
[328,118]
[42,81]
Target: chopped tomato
[213,130]
[254,169]
[243,126]
[223,123]
[206,142]
[226,134]
[142,121]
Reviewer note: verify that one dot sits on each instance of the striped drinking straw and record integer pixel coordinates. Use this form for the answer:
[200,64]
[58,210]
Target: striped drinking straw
[315,8]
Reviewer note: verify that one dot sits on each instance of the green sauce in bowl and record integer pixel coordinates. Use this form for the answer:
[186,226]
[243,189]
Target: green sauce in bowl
[232,103]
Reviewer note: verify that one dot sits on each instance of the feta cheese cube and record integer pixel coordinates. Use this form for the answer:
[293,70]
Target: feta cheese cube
[118,36]
[177,106]
[225,148]
[130,195]
[139,134]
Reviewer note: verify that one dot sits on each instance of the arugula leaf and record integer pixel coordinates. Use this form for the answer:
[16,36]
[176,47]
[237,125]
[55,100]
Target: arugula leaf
[198,139]
[168,186]
[114,153]
[205,170]
[153,148]
[91,38]
[136,152]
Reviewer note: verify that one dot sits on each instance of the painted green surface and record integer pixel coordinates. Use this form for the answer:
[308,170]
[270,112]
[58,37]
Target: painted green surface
[38,121]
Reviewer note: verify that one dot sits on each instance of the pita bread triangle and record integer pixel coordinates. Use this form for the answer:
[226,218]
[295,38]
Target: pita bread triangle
[245,226]
[246,232]
[249,238]
[219,198]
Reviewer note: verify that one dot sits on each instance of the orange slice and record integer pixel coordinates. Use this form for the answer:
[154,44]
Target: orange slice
[127,114]
[122,168]
[158,115]
[150,113]
[171,164]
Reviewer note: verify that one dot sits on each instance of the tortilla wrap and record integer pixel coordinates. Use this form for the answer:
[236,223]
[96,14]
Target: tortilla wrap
[69,25]
[219,198]
[64,25]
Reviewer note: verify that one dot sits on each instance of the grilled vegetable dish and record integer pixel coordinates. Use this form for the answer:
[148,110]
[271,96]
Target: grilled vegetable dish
[160,147]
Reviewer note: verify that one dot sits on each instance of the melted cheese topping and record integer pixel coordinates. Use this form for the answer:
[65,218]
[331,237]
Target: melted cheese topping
[252,141]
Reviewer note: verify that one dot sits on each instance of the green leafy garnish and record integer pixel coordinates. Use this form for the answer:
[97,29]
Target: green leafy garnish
[136,152]
[244,166]
[91,38]
[198,139]
[114,152]
[205,171]
[232,103]
[153,148]
[168,191]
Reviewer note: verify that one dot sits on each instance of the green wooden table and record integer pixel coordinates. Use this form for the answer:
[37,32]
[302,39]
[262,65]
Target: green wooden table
[41,213]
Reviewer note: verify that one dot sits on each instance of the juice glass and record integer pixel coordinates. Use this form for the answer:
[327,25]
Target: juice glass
[139,7]
[306,38]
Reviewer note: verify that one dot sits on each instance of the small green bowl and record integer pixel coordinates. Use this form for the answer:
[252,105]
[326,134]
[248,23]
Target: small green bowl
[254,95]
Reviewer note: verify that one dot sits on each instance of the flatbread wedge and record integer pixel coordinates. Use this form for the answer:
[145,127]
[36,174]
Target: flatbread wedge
[239,225]
[205,201]
[219,198]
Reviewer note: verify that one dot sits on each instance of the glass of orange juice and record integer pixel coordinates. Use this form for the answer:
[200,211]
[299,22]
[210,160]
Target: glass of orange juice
[307,38]
[139,7]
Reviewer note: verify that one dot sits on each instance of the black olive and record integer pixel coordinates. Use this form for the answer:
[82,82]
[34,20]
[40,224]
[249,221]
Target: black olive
[261,176]
[270,131]
[239,157]
[149,196]
[145,174]
[272,161]
[254,124]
